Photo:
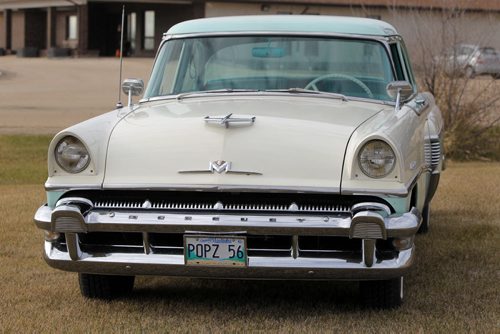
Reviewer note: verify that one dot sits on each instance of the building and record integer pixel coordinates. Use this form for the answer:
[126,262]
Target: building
[92,27]
[89,27]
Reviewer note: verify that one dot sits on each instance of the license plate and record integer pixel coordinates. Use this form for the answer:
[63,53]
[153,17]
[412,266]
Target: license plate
[215,251]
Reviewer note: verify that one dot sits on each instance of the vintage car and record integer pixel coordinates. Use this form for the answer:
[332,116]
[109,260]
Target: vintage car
[470,60]
[264,147]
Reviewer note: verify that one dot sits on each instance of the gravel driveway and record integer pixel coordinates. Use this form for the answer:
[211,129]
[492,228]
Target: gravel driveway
[41,95]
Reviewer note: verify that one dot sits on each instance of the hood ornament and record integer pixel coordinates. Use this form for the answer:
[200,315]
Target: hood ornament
[228,119]
[220,167]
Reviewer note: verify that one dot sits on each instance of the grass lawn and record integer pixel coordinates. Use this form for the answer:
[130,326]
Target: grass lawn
[454,286]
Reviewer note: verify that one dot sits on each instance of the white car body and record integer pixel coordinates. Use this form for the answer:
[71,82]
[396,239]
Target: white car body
[277,168]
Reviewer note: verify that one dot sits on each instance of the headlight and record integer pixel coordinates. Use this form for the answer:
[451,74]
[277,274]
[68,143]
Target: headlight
[376,159]
[71,155]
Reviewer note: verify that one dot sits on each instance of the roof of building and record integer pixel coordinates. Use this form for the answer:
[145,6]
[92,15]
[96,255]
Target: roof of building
[480,5]
[286,23]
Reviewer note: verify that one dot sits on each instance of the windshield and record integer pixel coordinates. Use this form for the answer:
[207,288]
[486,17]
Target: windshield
[352,67]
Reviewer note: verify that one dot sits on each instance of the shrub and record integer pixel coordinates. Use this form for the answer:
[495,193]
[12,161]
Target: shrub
[470,106]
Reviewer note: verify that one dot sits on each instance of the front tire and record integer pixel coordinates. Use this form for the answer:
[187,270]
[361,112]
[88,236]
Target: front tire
[105,286]
[426,219]
[384,294]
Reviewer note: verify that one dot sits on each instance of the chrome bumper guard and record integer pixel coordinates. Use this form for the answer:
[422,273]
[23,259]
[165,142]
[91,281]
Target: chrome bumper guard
[369,222]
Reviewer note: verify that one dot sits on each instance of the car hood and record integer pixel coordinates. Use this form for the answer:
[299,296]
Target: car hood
[295,143]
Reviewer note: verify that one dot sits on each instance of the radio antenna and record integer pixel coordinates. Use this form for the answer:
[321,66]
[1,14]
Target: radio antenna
[119,104]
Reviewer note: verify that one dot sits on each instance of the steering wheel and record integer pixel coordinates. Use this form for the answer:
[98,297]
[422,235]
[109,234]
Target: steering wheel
[312,83]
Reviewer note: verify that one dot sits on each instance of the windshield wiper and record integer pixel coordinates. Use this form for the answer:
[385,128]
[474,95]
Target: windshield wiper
[297,90]
[215,91]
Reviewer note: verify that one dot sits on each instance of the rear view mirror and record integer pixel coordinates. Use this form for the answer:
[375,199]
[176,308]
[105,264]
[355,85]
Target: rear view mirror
[268,52]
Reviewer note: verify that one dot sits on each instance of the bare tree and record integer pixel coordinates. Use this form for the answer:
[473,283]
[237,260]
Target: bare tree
[470,105]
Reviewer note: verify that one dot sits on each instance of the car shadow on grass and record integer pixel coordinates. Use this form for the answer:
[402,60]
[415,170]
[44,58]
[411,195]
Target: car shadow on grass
[240,295]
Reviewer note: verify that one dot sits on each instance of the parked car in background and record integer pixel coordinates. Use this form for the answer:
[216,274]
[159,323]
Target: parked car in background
[264,147]
[471,60]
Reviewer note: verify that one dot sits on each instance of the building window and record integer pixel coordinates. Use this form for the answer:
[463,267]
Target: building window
[149,30]
[71,27]
[131,31]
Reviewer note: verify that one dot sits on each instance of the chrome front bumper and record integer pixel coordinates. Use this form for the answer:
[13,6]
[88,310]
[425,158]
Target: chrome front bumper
[365,225]
[258,267]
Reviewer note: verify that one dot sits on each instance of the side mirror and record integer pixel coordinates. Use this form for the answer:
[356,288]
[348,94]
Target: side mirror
[400,91]
[132,87]
[404,88]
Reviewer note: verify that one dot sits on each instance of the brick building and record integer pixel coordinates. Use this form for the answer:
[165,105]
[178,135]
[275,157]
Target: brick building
[92,27]
[89,27]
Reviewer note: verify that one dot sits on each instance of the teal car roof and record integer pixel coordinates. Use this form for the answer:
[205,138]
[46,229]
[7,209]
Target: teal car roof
[285,23]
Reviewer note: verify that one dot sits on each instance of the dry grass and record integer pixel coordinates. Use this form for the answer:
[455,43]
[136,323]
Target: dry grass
[453,287]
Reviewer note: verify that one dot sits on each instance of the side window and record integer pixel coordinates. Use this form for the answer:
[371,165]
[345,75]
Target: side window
[402,63]
[397,62]
[407,65]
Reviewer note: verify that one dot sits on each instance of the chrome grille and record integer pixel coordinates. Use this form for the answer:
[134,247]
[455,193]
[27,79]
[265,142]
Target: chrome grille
[257,245]
[435,153]
[428,153]
[219,206]
[432,151]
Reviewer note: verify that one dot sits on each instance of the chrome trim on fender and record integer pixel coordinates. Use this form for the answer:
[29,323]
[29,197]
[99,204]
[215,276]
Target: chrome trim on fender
[66,187]
[403,192]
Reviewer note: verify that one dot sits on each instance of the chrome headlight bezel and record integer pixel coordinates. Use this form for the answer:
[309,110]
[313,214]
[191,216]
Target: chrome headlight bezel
[376,159]
[71,155]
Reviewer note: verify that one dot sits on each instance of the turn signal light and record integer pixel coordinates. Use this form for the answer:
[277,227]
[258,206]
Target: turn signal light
[403,243]
[51,236]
